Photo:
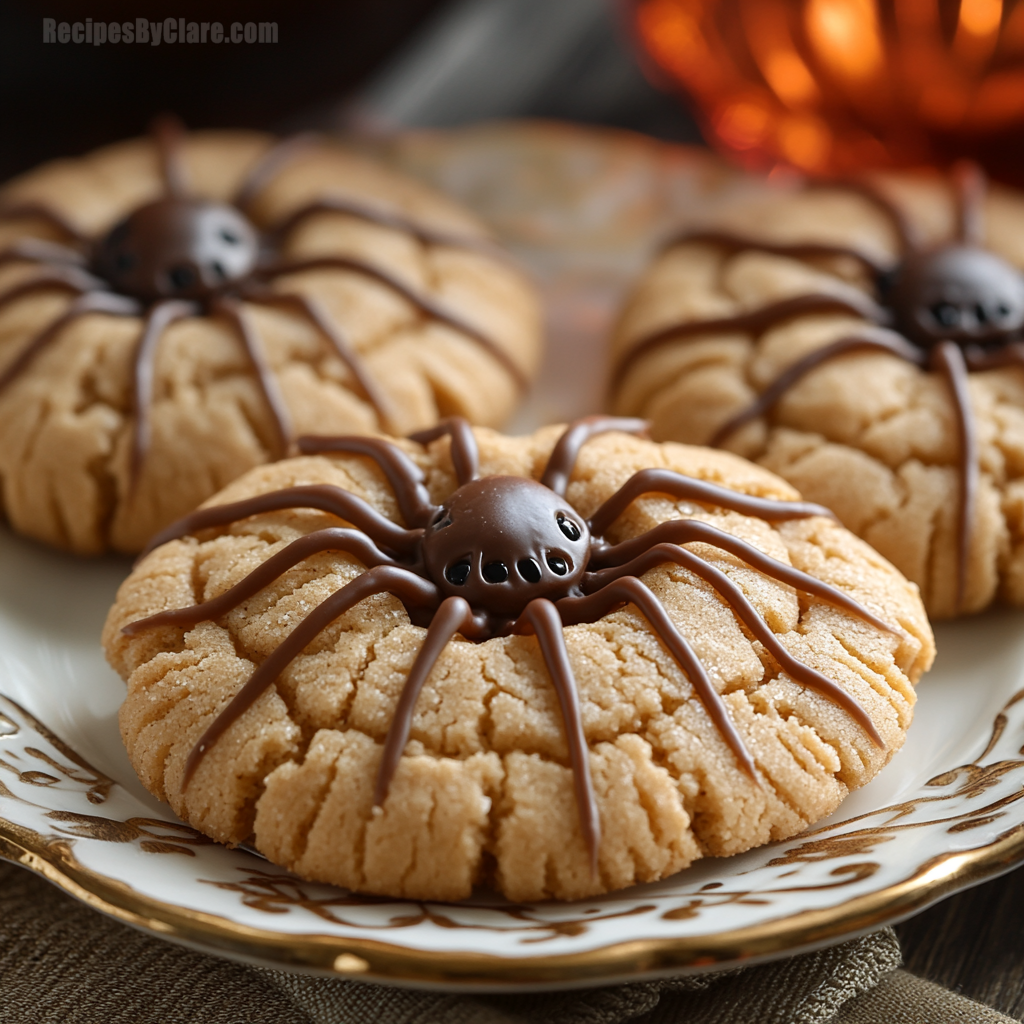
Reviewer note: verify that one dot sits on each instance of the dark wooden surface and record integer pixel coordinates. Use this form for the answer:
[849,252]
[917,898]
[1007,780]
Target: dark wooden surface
[973,943]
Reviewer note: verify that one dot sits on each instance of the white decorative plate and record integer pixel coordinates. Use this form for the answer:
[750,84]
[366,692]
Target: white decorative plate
[947,812]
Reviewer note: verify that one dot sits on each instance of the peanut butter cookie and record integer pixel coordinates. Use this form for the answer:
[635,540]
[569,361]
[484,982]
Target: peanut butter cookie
[555,665]
[175,310]
[863,341]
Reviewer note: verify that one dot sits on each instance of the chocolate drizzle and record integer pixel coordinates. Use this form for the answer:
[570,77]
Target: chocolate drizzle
[957,308]
[90,302]
[562,460]
[508,555]
[158,319]
[907,235]
[794,250]
[313,309]
[875,341]
[269,165]
[38,250]
[334,500]
[948,360]
[462,446]
[403,475]
[426,305]
[970,204]
[168,136]
[178,249]
[39,212]
[756,321]
[386,219]
[284,152]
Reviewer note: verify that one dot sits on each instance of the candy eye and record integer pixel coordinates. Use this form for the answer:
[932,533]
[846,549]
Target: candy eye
[495,572]
[529,570]
[182,277]
[568,527]
[457,574]
[945,314]
[229,236]
[557,565]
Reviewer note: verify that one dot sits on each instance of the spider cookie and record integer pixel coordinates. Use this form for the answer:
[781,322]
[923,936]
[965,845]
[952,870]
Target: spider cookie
[176,310]
[554,665]
[862,340]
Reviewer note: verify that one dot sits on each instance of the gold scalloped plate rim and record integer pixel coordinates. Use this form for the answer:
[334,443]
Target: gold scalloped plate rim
[633,960]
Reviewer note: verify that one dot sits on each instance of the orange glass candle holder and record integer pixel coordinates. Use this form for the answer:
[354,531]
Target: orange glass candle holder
[833,86]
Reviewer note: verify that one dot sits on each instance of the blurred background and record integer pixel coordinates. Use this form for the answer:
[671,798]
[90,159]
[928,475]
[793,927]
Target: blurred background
[374,64]
[822,86]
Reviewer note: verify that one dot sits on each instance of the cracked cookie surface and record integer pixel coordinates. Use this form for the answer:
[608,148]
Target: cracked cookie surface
[869,435]
[484,793]
[66,422]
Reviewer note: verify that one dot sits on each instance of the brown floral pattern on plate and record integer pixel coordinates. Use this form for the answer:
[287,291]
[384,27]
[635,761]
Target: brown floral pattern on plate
[872,868]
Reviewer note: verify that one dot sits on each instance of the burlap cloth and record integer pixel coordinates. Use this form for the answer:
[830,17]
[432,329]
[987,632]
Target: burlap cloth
[62,962]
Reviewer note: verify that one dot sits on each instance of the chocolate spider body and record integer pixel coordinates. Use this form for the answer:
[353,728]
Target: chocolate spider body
[178,248]
[180,256]
[951,308]
[957,293]
[508,555]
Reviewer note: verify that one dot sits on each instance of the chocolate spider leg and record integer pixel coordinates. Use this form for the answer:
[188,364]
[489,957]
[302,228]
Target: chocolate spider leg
[796,250]
[159,318]
[168,135]
[265,379]
[385,218]
[465,454]
[949,361]
[610,560]
[423,303]
[976,360]
[970,186]
[409,588]
[667,481]
[268,165]
[39,211]
[453,615]
[69,278]
[90,302]
[979,359]
[747,613]
[323,497]
[630,590]
[332,539]
[545,619]
[758,321]
[39,250]
[562,460]
[889,341]
[314,311]
[404,476]
[907,235]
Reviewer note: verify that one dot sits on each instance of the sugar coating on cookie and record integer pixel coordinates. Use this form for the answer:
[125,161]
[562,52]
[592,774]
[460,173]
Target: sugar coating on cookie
[438,321]
[876,436]
[484,793]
